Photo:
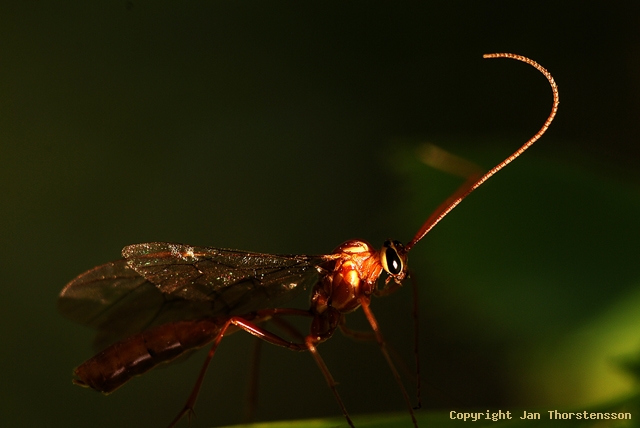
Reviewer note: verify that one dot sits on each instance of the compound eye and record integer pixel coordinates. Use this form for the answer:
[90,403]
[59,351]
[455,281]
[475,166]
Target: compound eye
[391,261]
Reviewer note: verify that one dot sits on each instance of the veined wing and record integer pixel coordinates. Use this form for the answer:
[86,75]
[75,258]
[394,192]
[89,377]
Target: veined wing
[162,282]
[233,281]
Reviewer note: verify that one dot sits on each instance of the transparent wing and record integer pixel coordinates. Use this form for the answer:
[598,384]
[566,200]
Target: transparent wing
[161,282]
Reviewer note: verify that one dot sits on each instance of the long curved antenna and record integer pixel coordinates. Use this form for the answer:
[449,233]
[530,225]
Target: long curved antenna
[464,191]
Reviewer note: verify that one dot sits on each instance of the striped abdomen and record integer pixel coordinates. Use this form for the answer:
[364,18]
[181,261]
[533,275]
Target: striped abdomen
[117,364]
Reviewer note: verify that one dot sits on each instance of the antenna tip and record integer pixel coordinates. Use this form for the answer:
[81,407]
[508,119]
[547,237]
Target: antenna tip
[497,55]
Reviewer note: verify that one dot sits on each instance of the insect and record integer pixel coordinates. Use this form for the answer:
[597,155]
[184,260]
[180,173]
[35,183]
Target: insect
[162,300]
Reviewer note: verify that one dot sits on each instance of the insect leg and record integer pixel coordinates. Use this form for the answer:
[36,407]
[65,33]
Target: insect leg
[385,291]
[364,336]
[248,326]
[369,336]
[311,342]
[383,348]
[191,401]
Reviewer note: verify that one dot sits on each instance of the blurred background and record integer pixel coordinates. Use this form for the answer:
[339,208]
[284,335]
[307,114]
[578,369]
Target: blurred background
[289,127]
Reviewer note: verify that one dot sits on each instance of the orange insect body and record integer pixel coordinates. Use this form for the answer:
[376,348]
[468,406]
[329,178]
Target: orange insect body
[136,355]
[354,274]
[165,299]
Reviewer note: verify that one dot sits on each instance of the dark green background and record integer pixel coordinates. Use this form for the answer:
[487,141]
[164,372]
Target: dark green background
[289,127]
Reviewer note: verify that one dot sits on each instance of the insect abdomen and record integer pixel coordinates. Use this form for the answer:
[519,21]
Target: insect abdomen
[117,364]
